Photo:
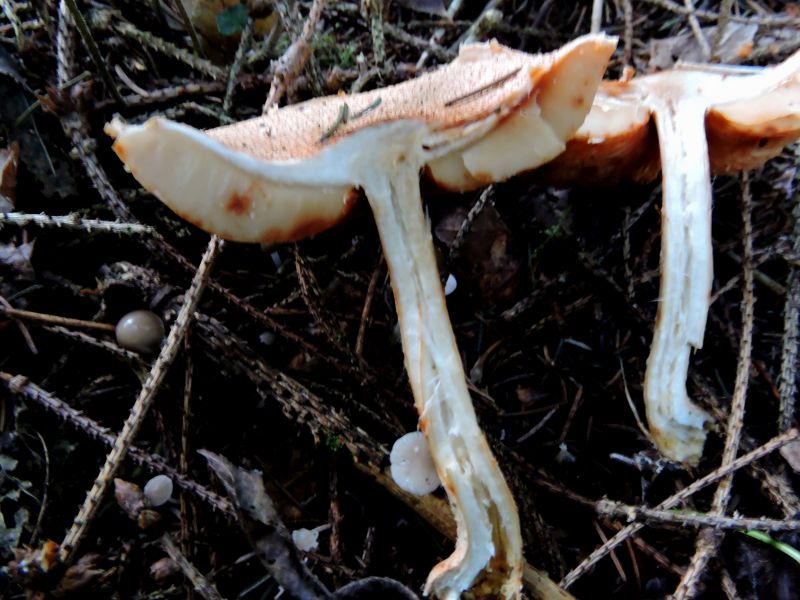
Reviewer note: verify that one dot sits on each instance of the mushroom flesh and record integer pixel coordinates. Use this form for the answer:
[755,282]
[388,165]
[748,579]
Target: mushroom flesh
[291,173]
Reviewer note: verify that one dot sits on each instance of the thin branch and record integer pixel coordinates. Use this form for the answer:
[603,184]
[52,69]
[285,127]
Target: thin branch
[189,25]
[195,577]
[402,36]
[94,52]
[65,46]
[694,24]
[708,541]
[132,358]
[238,60]
[627,53]
[590,561]
[791,314]
[54,319]
[12,16]
[20,386]
[708,15]
[143,403]
[669,518]
[106,20]
[73,221]
[297,55]
[365,312]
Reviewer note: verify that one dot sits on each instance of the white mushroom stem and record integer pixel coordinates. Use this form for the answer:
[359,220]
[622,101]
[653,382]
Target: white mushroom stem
[485,513]
[677,424]
[679,101]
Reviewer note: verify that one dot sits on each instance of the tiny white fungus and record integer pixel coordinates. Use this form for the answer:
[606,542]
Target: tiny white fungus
[307,540]
[412,465]
[158,490]
[141,331]
[450,285]
[267,338]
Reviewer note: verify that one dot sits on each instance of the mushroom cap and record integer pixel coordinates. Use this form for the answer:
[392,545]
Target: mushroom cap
[412,465]
[158,490]
[618,139]
[228,180]
[140,330]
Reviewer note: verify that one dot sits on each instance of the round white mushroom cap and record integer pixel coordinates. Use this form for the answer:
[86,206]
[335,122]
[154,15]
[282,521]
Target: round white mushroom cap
[158,490]
[141,331]
[412,465]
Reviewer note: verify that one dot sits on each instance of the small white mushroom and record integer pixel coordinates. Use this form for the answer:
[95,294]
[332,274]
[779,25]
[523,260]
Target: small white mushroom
[158,490]
[412,464]
[307,540]
[450,285]
[141,331]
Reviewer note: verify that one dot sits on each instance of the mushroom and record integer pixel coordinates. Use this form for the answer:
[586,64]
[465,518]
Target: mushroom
[158,490]
[140,330]
[707,119]
[412,465]
[291,173]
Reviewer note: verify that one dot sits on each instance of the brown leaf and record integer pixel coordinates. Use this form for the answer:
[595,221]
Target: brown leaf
[78,576]
[129,497]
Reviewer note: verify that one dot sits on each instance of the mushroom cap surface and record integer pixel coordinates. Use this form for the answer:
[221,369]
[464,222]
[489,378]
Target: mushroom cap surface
[140,330]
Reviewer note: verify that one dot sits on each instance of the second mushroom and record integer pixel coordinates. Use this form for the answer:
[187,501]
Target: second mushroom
[707,119]
[488,115]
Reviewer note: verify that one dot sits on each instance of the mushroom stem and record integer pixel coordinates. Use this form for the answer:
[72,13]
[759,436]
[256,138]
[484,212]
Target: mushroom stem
[677,424]
[484,510]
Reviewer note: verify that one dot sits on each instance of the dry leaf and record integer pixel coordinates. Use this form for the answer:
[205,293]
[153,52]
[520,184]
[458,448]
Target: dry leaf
[129,496]
[736,44]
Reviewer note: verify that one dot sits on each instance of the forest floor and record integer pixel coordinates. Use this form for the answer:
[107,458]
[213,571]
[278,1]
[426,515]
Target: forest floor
[288,361]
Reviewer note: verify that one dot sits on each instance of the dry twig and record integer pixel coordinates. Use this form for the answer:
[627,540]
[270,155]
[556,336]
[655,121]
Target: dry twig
[73,221]
[195,577]
[55,319]
[588,563]
[20,385]
[143,403]
[791,315]
[669,518]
